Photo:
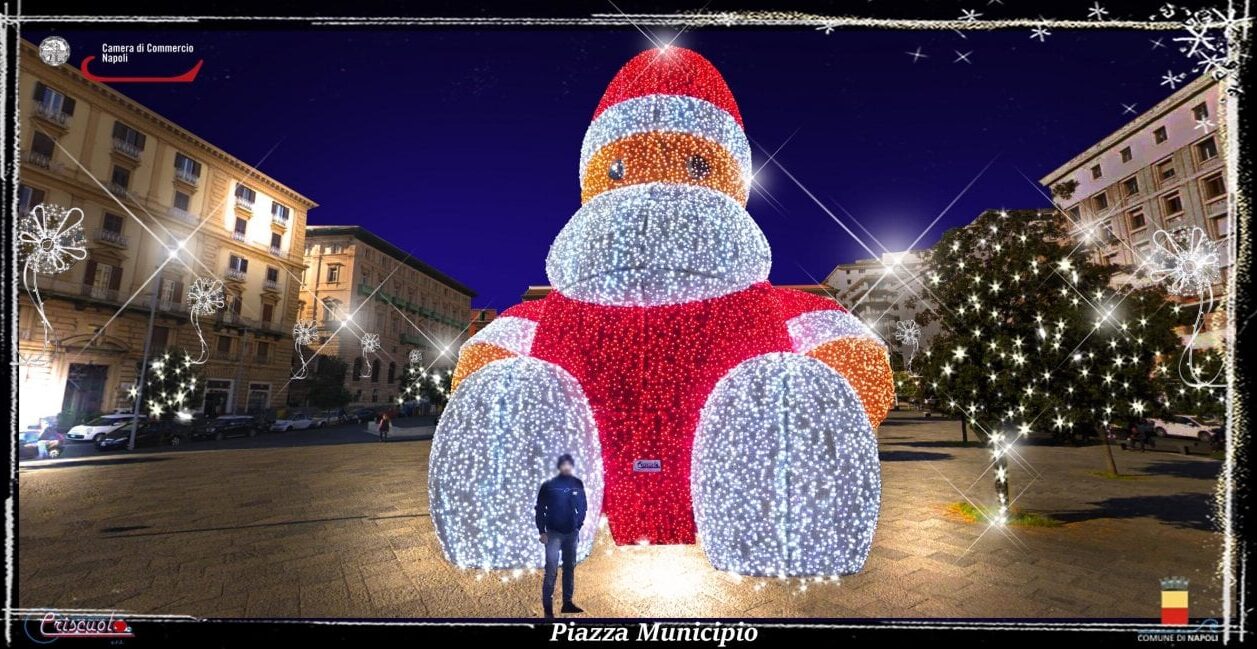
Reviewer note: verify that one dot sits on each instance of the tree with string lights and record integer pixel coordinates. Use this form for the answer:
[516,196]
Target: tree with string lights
[173,386]
[1034,338]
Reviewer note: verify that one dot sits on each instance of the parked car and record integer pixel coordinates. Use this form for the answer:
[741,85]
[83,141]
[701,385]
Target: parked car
[1187,426]
[37,444]
[362,415]
[298,421]
[335,417]
[100,427]
[232,426]
[150,433]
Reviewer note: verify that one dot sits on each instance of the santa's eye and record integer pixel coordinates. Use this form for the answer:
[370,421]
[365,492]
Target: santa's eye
[616,170]
[698,166]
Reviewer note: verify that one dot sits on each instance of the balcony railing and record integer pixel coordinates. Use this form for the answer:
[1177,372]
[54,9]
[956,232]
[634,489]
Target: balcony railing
[127,149]
[412,339]
[1216,206]
[236,275]
[169,306]
[237,235]
[119,190]
[226,355]
[281,221]
[277,251]
[100,293]
[243,203]
[39,159]
[112,237]
[180,214]
[270,285]
[187,177]
[52,113]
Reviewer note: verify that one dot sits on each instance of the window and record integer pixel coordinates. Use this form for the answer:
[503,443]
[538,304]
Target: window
[268,312]
[28,197]
[187,167]
[224,345]
[1213,187]
[1160,135]
[171,291]
[52,102]
[375,395]
[235,304]
[183,201]
[120,178]
[112,223]
[102,276]
[42,147]
[245,195]
[392,372]
[127,135]
[161,338]
[272,274]
[1130,186]
[241,226]
[238,264]
[276,241]
[280,212]
[1200,111]
[358,370]
[1165,170]
[333,274]
[1126,154]
[1206,150]
[263,351]
[1096,172]
[1172,204]
[375,371]
[1136,220]
[1100,201]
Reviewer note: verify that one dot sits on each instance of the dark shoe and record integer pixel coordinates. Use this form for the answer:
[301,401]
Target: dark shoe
[571,608]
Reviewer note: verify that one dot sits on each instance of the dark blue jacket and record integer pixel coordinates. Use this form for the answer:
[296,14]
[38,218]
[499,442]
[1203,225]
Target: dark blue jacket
[561,505]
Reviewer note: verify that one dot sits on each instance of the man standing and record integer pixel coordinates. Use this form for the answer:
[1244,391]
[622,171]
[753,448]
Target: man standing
[560,514]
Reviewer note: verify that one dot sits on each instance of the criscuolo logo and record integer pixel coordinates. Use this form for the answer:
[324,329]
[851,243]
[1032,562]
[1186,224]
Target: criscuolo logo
[648,466]
[54,51]
[53,626]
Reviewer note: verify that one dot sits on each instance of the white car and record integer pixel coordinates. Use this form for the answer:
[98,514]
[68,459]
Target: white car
[297,422]
[1184,426]
[96,429]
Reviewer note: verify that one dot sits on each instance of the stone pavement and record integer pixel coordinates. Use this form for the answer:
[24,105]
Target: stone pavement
[342,530]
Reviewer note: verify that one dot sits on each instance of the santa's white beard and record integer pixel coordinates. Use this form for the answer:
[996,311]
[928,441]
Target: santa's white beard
[655,244]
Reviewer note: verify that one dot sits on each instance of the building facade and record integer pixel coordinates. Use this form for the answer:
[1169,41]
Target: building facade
[480,318]
[360,284]
[160,208]
[1164,170]
[882,292]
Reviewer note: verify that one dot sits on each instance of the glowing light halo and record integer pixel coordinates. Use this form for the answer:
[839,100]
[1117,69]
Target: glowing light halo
[785,471]
[498,440]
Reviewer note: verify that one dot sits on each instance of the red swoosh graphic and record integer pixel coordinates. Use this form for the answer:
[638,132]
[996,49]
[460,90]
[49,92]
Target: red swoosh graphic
[186,77]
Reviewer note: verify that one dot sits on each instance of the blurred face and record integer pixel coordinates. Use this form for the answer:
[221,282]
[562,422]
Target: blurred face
[565,468]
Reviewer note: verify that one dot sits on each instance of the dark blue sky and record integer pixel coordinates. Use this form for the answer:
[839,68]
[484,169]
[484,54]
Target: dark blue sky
[462,146]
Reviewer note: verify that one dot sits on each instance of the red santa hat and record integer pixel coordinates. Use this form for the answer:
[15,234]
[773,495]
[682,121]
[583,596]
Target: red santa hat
[668,89]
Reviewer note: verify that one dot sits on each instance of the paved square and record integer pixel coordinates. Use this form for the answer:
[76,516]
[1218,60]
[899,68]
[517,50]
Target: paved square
[261,528]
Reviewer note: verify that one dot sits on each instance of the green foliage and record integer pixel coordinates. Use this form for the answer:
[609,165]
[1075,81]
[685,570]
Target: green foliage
[906,386]
[326,384]
[1033,338]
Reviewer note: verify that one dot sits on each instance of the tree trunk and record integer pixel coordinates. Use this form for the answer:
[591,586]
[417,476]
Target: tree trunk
[964,431]
[1108,452]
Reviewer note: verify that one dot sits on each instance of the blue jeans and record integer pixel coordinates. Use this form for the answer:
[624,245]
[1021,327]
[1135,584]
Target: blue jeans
[558,543]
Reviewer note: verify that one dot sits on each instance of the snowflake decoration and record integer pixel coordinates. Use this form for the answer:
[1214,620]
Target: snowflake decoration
[1188,262]
[908,332]
[52,238]
[370,343]
[415,357]
[305,332]
[1096,12]
[1040,33]
[205,296]
[1203,124]
[827,26]
[969,15]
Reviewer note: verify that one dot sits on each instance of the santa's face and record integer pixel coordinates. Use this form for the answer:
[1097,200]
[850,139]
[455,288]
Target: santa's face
[663,222]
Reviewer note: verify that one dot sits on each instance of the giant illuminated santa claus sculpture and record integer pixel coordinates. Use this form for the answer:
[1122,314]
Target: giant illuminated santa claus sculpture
[702,404]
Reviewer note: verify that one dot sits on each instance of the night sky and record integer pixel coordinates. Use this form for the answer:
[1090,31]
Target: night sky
[462,146]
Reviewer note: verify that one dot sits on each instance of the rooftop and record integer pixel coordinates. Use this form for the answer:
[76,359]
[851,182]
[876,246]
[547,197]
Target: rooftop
[379,243]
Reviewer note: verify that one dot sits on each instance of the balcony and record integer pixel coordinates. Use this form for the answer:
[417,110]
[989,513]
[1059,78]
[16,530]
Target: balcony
[1216,207]
[111,237]
[278,221]
[238,235]
[277,251]
[99,293]
[235,275]
[412,339]
[244,204]
[127,149]
[38,159]
[226,355]
[119,190]
[183,216]
[187,178]
[271,285]
[53,115]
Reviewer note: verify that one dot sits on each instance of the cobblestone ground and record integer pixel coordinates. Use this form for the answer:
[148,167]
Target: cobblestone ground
[343,531]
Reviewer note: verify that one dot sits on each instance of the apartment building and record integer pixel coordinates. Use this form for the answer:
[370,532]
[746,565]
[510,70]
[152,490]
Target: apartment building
[480,318]
[1164,170]
[884,291]
[161,208]
[359,284]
